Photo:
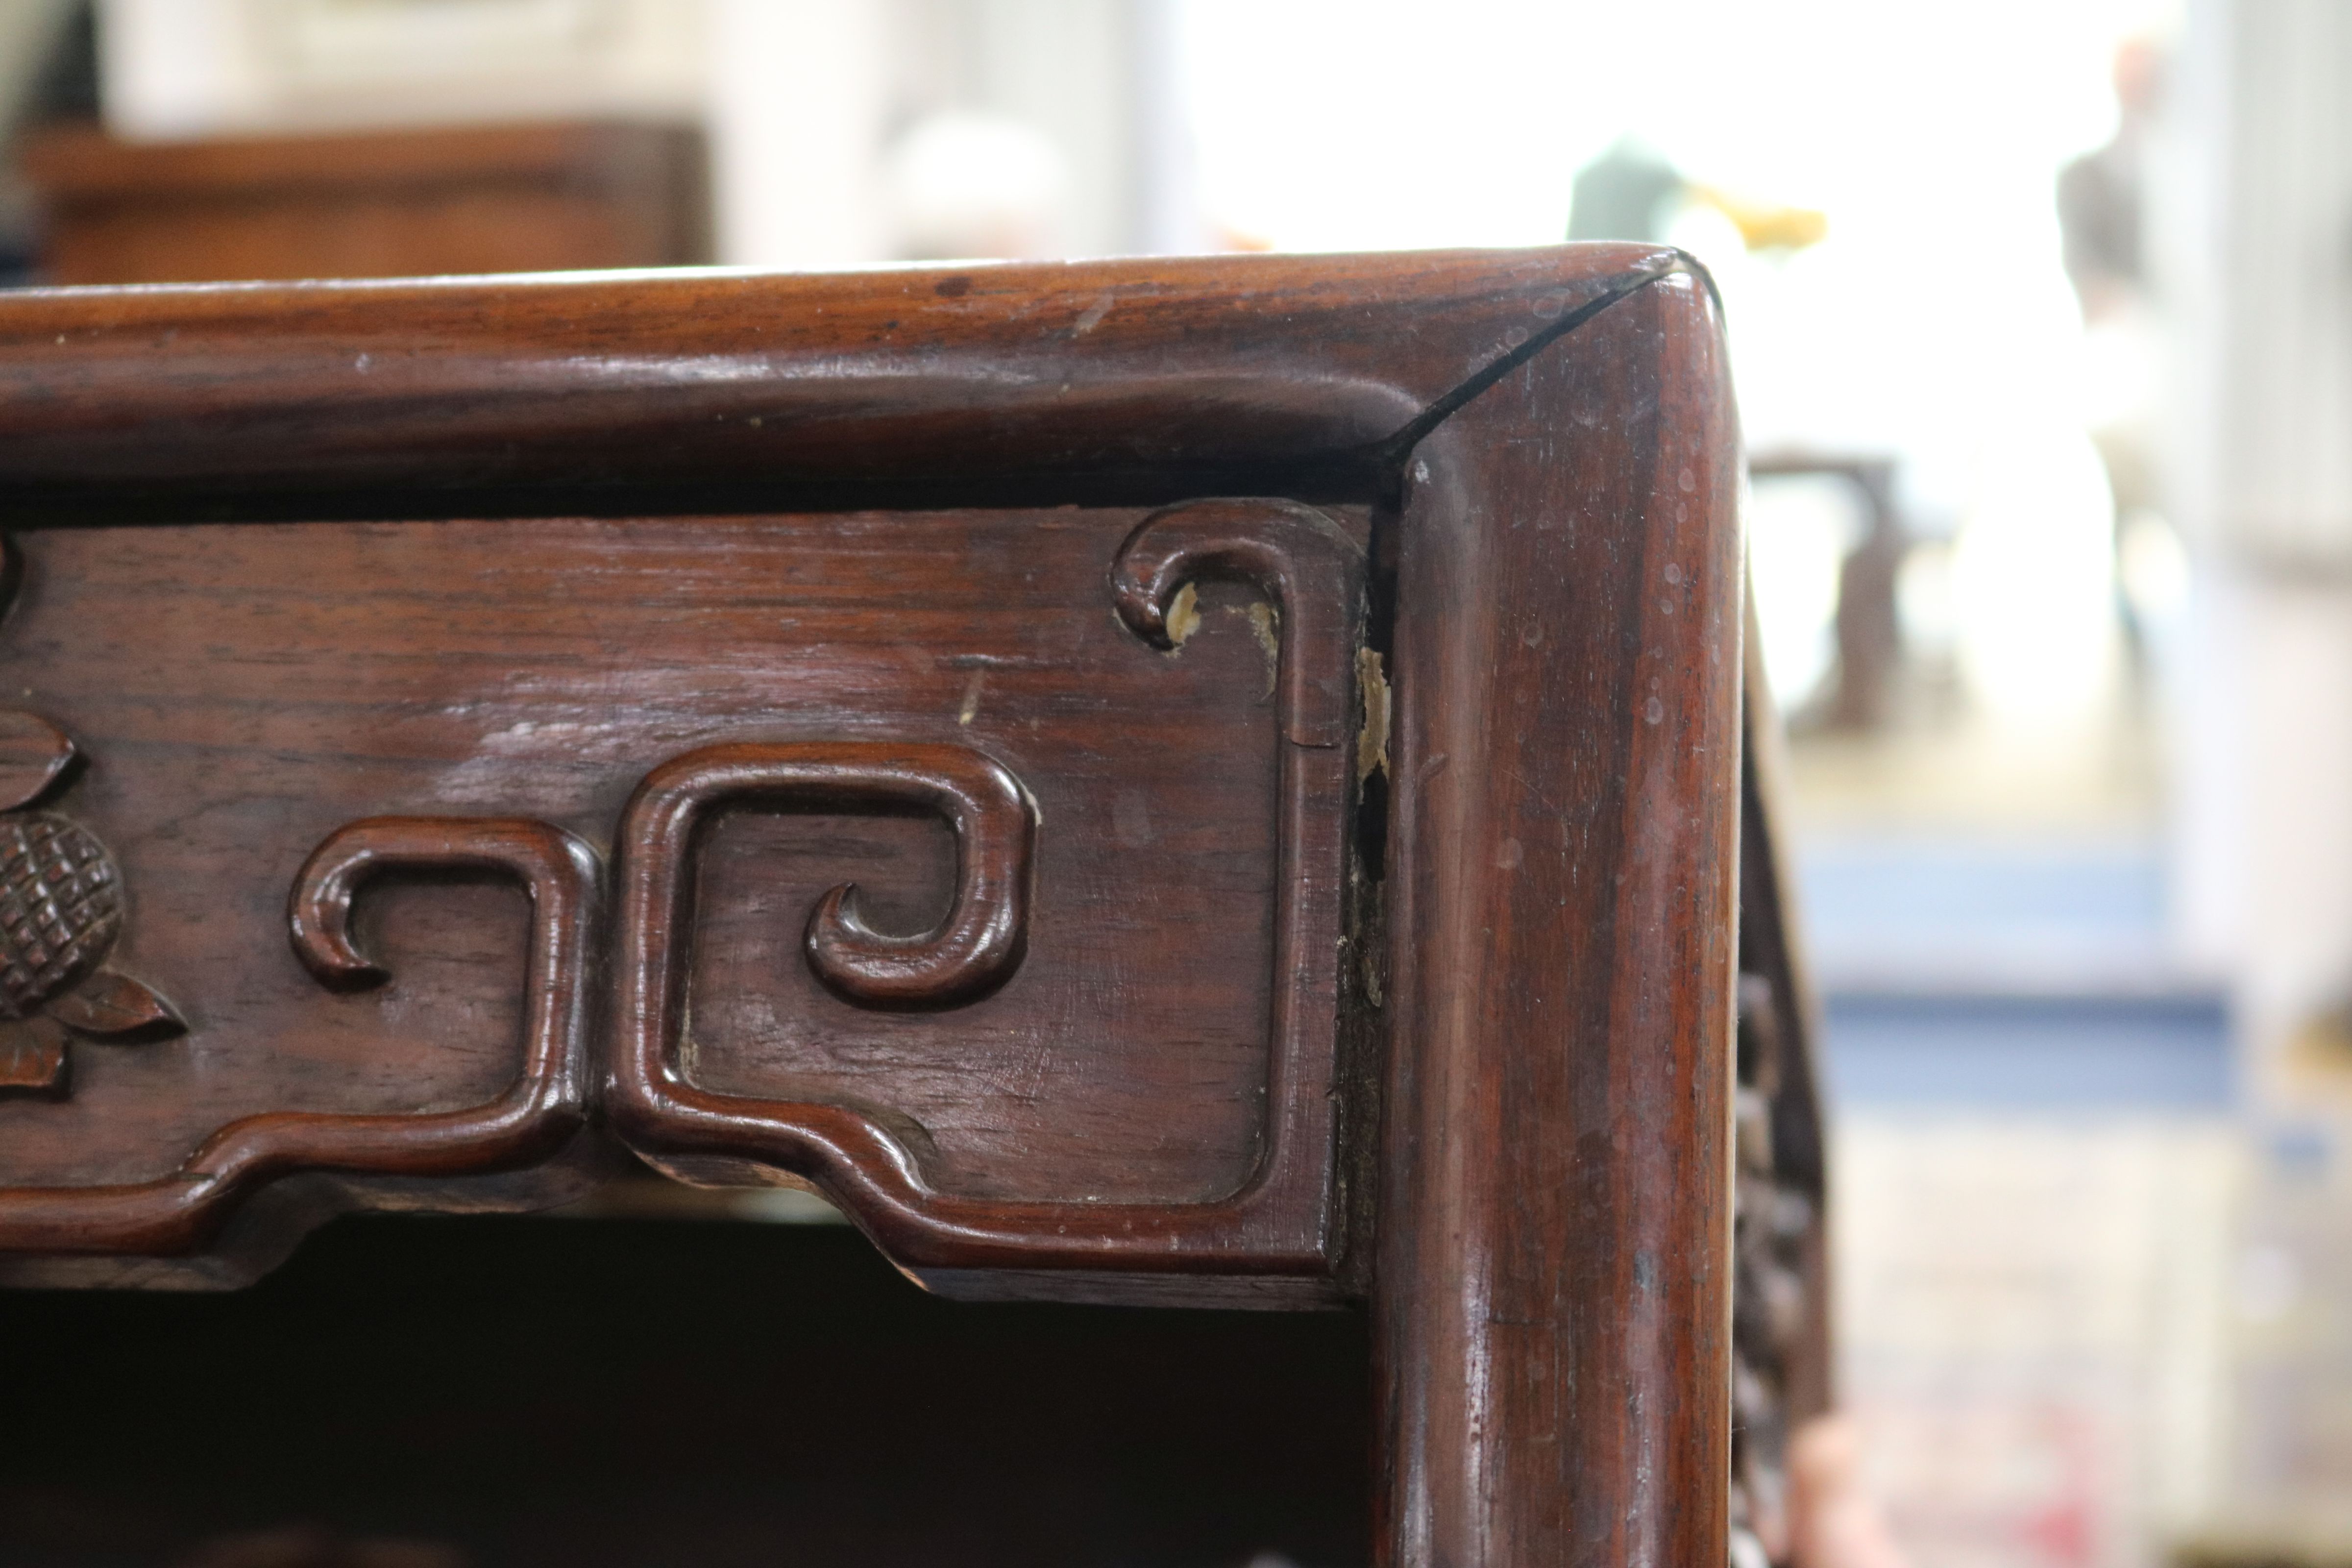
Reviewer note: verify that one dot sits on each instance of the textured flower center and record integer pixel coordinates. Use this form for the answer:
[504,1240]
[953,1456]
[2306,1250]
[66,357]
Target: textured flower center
[60,907]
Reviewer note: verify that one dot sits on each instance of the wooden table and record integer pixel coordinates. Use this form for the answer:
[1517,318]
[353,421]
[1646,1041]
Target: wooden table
[1210,782]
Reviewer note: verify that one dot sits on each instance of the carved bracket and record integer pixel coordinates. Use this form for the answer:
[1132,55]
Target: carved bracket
[531,1119]
[1281,1220]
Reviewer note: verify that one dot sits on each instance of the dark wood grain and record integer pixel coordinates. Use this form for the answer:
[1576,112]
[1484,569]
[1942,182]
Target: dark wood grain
[970,951]
[1311,377]
[1553,1294]
[34,753]
[1319,997]
[62,914]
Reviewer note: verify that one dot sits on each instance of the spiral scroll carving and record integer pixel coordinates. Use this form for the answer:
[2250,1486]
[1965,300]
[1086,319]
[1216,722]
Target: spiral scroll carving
[536,1114]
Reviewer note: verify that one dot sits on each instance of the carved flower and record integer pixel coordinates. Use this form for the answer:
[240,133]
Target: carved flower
[60,911]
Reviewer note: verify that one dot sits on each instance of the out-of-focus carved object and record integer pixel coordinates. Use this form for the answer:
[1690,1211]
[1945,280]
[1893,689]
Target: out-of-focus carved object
[1779,1320]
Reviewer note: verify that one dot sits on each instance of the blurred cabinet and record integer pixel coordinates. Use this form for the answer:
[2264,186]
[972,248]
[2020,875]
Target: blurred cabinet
[514,198]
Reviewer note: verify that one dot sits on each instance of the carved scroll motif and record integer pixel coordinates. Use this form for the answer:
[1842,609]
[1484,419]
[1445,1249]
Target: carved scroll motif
[531,1119]
[968,954]
[1312,573]
[973,950]
[1314,576]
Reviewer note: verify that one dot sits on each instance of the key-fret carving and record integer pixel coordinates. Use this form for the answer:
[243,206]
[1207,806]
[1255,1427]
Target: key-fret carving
[1311,574]
[529,1122]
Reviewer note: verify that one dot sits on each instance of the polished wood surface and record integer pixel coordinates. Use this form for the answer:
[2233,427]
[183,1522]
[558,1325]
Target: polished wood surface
[1280,718]
[1550,1294]
[1272,1216]
[1307,377]
[396,203]
[244,692]
[60,916]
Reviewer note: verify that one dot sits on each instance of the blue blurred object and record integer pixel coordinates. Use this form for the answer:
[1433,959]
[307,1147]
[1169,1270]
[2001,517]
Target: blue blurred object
[1936,914]
[2031,1052]
[2012,977]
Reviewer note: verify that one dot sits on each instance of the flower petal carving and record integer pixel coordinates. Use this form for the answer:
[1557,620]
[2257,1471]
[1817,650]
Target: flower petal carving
[33,752]
[112,1007]
[33,1056]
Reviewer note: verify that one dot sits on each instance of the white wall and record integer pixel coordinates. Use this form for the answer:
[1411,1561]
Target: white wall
[801,99]
[2253,235]
[171,69]
[798,102]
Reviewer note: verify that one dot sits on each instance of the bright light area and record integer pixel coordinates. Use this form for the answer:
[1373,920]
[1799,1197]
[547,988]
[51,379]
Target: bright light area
[1934,324]
[1799,530]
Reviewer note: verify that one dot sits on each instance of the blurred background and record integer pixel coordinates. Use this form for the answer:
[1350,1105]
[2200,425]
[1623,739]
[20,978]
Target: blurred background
[2042,317]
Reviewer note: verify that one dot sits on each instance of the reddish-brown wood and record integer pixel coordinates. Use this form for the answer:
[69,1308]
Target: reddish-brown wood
[34,753]
[1274,1215]
[527,198]
[1551,1287]
[973,949]
[531,1120]
[1299,998]
[280,682]
[1306,377]
[61,903]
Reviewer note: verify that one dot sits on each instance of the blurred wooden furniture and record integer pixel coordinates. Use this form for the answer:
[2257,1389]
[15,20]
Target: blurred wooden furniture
[394,204]
[1781,1357]
[1213,783]
[1869,627]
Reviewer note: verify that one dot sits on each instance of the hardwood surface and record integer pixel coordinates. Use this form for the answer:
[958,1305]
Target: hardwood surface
[1553,1211]
[1270,1213]
[242,691]
[1280,716]
[400,204]
[1309,377]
